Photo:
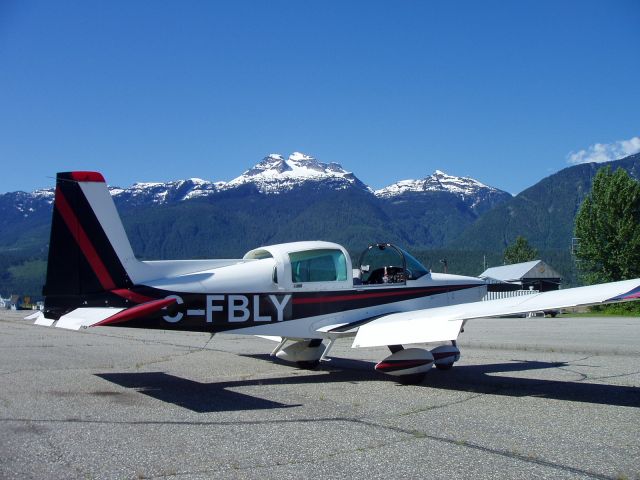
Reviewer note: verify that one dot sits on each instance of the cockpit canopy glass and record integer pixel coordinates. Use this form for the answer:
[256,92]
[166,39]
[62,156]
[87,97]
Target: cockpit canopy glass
[385,263]
[415,269]
[322,265]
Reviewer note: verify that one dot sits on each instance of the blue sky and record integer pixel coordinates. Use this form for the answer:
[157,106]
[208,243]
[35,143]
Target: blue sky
[501,91]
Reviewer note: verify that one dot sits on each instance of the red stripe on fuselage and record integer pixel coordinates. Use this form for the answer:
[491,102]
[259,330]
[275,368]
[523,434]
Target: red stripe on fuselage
[133,296]
[361,295]
[136,312]
[83,241]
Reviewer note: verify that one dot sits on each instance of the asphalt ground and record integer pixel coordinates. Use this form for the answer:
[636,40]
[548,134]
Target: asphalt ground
[530,398]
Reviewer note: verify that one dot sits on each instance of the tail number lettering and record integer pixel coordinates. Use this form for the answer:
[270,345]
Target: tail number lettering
[236,308]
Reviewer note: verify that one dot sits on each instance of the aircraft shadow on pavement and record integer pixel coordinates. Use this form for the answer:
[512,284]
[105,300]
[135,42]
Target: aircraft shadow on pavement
[481,379]
[189,394]
[218,396]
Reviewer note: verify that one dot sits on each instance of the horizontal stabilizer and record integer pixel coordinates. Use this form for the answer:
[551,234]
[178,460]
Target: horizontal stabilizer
[85,317]
[40,319]
[97,316]
[444,323]
[142,310]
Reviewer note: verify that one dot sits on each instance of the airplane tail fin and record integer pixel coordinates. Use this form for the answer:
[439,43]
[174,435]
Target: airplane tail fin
[89,251]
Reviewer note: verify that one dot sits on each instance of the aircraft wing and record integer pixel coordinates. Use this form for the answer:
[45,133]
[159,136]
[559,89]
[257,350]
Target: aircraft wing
[444,323]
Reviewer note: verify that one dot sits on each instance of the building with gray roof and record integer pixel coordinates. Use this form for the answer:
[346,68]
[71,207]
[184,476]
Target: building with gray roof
[535,275]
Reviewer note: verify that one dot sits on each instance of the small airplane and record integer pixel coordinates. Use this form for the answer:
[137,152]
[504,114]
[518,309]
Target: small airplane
[299,293]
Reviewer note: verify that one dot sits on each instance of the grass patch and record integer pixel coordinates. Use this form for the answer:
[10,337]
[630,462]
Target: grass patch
[631,309]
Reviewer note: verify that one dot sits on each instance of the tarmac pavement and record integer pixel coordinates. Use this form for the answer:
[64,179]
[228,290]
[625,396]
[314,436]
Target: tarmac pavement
[530,398]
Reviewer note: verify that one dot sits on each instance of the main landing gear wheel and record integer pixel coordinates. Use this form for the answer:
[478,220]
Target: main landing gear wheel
[308,365]
[408,365]
[444,366]
[415,379]
[305,354]
[446,355]
[313,345]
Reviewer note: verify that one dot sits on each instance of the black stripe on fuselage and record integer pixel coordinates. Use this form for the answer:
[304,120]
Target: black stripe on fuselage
[220,312]
[322,303]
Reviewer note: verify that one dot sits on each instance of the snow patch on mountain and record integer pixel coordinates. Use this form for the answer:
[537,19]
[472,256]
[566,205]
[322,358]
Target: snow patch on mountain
[439,181]
[27,203]
[160,193]
[275,174]
[44,194]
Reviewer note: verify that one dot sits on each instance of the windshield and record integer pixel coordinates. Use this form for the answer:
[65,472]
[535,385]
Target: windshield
[414,268]
[383,263]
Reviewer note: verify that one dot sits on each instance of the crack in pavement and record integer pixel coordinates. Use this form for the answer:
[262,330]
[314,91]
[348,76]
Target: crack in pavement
[584,377]
[448,404]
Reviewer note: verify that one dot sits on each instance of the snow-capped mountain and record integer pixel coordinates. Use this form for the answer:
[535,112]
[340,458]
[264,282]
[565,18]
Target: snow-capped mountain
[160,193]
[28,202]
[275,174]
[271,176]
[19,205]
[436,182]
[476,195]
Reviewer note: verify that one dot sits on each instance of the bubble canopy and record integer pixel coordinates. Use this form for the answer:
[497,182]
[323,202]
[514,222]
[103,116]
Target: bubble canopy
[382,263]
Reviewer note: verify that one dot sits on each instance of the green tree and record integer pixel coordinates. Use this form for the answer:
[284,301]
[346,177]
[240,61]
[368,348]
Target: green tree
[519,251]
[608,228]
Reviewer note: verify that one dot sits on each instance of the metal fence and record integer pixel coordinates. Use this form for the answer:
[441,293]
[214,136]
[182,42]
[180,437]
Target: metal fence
[512,293]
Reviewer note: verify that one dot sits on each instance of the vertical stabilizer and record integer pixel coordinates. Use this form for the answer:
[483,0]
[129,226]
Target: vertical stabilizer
[89,251]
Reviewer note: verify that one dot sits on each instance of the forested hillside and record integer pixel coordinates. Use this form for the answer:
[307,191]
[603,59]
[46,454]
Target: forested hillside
[543,213]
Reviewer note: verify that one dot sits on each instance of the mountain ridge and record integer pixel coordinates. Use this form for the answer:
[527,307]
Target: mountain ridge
[275,175]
